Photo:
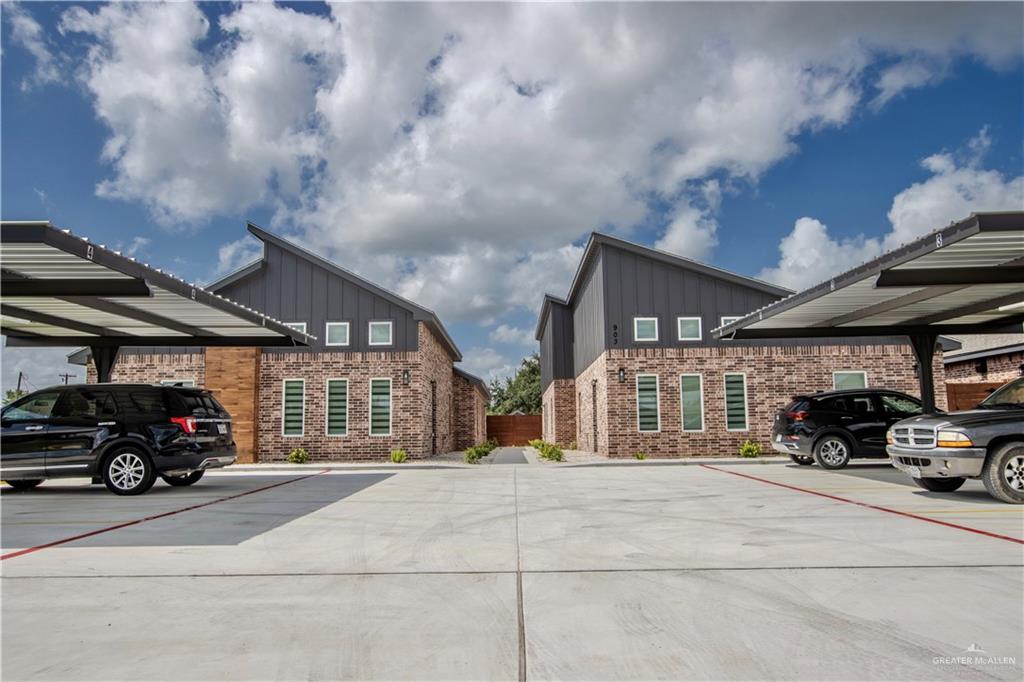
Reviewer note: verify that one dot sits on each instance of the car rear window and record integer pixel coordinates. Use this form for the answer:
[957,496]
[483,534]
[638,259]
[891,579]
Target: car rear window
[139,401]
[203,401]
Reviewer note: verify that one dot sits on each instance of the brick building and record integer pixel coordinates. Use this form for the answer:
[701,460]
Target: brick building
[986,359]
[628,364]
[380,376]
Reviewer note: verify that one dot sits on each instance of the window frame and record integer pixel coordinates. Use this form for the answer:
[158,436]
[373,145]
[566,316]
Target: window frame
[183,383]
[657,331]
[746,401]
[391,333]
[732,318]
[657,402]
[327,407]
[348,334]
[391,408]
[861,372]
[700,328]
[284,385]
[682,414]
[295,325]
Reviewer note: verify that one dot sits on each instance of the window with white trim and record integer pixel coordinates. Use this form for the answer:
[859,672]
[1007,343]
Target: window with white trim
[381,333]
[380,407]
[736,402]
[297,326]
[337,407]
[645,329]
[293,407]
[729,319]
[691,401]
[184,383]
[648,415]
[337,334]
[688,328]
[849,379]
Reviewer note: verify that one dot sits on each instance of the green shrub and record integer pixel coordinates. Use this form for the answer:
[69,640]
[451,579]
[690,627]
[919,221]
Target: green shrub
[750,449]
[640,455]
[477,452]
[572,446]
[298,456]
[548,451]
[398,456]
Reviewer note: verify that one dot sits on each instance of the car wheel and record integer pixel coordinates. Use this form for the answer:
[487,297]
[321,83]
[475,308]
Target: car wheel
[940,485]
[181,481]
[25,484]
[1003,473]
[832,452]
[128,472]
[803,460]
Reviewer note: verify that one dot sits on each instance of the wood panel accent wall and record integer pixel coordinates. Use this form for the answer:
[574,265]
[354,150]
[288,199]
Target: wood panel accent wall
[967,396]
[233,375]
[513,429]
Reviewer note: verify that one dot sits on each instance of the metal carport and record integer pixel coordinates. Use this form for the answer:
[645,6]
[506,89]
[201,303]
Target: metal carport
[58,289]
[967,278]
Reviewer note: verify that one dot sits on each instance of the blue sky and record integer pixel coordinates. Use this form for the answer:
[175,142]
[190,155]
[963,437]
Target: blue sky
[461,154]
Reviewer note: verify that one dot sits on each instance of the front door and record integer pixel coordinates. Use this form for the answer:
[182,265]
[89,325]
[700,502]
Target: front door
[23,435]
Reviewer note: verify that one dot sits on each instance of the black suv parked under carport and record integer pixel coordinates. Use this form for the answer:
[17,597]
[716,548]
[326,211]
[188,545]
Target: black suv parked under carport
[124,435]
[833,427]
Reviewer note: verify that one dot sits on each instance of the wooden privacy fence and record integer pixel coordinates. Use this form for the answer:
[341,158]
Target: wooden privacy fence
[513,429]
[966,396]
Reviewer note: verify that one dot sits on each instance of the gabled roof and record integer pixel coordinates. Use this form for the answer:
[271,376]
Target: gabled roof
[473,379]
[599,238]
[544,309]
[418,312]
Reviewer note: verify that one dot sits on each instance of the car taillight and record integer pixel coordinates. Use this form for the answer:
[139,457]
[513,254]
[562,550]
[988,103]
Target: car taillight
[797,416]
[187,424]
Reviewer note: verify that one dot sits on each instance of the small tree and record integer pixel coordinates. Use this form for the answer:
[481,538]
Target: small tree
[521,392]
[12,394]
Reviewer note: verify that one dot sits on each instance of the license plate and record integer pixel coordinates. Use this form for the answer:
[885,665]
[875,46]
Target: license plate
[915,472]
[778,438]
[222,428]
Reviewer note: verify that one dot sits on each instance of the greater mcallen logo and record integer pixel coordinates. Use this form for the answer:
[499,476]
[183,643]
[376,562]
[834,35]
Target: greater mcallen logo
[974,655]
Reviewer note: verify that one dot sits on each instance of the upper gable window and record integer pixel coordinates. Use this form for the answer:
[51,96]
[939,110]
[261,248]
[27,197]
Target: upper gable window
[297,326]
[689,328]
[729,319]
[337,334]
[645,329]
[381,333]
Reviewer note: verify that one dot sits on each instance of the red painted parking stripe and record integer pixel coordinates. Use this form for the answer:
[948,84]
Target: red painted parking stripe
[869,506]
[100,531]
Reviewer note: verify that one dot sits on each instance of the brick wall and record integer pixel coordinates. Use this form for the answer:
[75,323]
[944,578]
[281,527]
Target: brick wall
[469,413]
[559,410]
[139,368]
[1000,368]
[773,374]
[592,407]
[436,365]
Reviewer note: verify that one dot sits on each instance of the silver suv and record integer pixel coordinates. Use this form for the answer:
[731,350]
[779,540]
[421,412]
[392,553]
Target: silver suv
[941,451]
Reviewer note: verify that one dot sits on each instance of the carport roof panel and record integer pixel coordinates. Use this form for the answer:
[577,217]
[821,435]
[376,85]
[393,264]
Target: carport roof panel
[967,277]
[61,289]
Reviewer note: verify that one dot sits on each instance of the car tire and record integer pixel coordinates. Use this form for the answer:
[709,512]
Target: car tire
[802,460]
[128,471]
[25,484]
[940,485]
[182,481]
[1003,473]
[832,452]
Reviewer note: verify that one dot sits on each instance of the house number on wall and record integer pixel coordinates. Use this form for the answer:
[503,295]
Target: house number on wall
[615,334]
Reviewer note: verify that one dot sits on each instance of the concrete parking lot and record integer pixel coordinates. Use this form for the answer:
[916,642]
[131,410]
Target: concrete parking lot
[733,571]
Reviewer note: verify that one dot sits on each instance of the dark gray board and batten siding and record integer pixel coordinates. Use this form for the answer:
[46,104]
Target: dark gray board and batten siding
[556,361]
[588,317]
[294,289]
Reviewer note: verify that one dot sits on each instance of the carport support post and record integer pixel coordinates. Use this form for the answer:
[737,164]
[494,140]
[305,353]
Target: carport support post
[924,349]
[104,358]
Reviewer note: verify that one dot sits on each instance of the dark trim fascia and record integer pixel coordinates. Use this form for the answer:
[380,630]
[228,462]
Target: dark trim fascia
[968,227]
[419,313]
[239,274]
[987,353]
[16,339]
[1001,326]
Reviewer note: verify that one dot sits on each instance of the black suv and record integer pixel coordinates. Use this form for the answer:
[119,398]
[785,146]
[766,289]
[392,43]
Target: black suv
[124,435]
[832,427]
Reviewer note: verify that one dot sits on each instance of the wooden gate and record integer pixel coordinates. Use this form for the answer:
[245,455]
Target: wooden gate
[513,429]
[966,396]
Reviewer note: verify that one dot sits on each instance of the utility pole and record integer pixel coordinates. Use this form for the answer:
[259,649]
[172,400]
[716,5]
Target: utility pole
[20,375]
[65,377]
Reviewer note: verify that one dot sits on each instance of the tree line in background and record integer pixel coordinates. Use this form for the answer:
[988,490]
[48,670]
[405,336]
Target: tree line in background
[520,393]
